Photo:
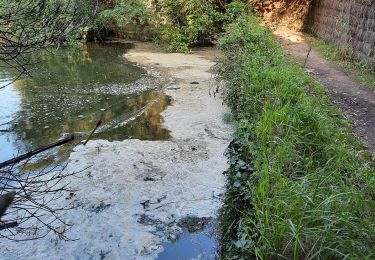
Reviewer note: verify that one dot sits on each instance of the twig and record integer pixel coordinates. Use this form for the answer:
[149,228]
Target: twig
[307,57]
[92,132]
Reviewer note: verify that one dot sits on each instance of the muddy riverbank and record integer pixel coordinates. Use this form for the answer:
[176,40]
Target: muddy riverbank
[137,194]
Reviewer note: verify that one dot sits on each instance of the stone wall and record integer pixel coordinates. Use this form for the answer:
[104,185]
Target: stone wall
[349,25]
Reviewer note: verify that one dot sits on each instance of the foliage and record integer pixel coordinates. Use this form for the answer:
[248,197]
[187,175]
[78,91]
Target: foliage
[299,184]
[234,10]
[194,22]
[115,15]
[176,24]
[173,37]
[189,23]
[27,26]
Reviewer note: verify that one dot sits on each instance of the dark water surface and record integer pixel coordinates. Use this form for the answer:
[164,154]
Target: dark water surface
[197,245]
[71,90]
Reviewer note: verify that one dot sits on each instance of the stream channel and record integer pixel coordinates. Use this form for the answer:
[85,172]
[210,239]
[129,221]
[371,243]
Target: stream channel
[69,92]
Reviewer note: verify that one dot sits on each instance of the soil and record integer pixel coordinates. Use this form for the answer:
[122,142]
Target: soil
[356,101]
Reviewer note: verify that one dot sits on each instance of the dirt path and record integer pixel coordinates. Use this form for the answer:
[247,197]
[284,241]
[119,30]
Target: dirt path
[137,193]
[355,100]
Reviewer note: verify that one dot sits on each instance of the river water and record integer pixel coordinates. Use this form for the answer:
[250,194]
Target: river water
[71,90]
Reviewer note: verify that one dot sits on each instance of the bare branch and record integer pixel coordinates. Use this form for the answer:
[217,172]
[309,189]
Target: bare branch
[30,25]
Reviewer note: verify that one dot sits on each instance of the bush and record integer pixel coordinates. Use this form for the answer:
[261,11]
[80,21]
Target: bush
[234,10]
[173,37]
[121,15]
[195,22]
[189,23]
[299,184]
[176,24]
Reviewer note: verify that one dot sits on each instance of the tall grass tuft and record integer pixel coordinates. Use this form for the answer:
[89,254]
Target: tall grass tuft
[300,185]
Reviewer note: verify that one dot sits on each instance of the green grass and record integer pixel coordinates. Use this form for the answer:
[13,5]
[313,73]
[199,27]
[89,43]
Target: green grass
[300,185]
[360,70]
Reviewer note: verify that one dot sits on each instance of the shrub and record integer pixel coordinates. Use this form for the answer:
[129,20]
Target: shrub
[173,37]
[234,10]
[189,23]
[195,22]
[115,16]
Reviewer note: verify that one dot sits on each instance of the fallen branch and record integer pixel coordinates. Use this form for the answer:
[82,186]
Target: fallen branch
[6,225]
[37,151]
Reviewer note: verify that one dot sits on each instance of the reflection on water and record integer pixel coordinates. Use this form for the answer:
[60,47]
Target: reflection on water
[71,90]
[145,127]
[199,245]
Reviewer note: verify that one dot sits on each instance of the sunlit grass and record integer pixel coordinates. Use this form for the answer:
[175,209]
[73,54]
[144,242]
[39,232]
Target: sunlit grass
[360,70]
[300,185]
